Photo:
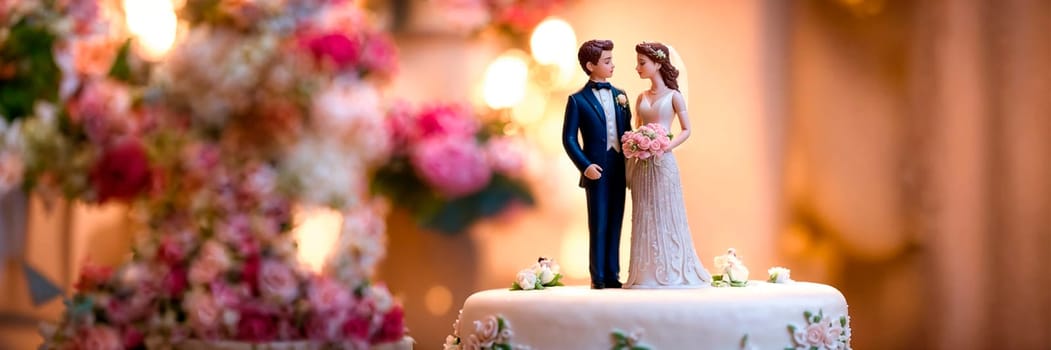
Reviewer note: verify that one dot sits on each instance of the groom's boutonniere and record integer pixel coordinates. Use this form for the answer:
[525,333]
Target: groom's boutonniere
[622,100]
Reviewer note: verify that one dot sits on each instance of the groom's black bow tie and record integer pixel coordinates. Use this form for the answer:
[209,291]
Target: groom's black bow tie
[599,85]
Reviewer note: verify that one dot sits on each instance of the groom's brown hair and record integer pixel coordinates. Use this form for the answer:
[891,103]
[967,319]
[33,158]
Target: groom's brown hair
[591,51]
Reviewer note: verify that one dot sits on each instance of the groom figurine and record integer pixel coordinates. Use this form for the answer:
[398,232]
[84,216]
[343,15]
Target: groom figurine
[600,113]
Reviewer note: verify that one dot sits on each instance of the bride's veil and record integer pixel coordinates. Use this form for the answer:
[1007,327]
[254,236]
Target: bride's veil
[684,81]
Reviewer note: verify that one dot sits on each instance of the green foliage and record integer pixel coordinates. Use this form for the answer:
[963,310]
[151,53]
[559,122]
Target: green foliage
[27,69]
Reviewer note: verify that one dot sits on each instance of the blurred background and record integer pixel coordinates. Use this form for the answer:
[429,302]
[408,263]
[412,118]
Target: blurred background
[899,151]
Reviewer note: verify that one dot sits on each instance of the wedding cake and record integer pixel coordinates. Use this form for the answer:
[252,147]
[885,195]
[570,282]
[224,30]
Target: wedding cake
[741,314]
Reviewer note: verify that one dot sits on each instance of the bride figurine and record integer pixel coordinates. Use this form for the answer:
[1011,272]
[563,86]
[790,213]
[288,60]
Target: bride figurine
[662,253]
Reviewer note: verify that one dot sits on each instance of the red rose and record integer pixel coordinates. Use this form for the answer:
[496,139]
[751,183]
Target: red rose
[175,282]
[122,173]
[356,327]
[255,326]
[393,327]
[92,276]
[251,272]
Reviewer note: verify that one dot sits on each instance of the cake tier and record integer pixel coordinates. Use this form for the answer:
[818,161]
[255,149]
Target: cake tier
[773,316]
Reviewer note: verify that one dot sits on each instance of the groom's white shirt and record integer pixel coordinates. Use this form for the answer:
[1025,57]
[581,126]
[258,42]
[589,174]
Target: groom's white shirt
[605,97]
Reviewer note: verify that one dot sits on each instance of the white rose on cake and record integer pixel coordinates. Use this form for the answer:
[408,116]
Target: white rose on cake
[525,280]
[780,275]
[732,271]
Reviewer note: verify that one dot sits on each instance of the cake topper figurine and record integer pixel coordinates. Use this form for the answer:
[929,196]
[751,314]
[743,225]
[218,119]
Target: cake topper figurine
[599,112]
[662,252]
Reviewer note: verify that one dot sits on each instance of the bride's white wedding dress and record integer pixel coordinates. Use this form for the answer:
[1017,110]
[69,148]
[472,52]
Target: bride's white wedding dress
[662,253]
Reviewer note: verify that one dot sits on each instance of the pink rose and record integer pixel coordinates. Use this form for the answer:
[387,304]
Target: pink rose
[205,316]
[93,276]
[505,156]
[446,120]
[102,108]
[98,338]
[334,48]
[380,55]
[172,248]
[454,166]
[816,333]
[326,326]
[212,261]
[327,295]
[644,144]
[122,172]
[487,330]
[278,281]
[229,296]
[392,328]
[833,334]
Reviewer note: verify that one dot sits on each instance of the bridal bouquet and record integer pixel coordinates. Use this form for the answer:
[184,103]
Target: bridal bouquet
[647,141]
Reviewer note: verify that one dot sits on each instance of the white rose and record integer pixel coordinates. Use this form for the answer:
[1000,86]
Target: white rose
[526,279]
[451,343]
[780,275]
[737,273]
[546,276]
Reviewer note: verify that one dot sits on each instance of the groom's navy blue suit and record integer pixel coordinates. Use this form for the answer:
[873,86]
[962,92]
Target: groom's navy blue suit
[605,196]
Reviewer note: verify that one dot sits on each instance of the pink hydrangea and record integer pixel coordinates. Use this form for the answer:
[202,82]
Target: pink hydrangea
[454,166]
[505,156]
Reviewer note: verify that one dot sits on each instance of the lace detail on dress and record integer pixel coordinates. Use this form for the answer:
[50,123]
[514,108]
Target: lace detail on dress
[662,253]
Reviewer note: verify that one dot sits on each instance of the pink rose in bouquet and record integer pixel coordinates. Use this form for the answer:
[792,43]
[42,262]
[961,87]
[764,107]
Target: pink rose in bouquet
[650,140]
[334,48]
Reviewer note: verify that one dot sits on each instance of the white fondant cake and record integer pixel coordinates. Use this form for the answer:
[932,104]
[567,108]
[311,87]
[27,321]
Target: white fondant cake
[759,316]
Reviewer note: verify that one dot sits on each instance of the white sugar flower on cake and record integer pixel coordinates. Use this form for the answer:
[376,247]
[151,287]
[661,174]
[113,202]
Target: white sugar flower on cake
[544,273]
[730,271]
[779,275]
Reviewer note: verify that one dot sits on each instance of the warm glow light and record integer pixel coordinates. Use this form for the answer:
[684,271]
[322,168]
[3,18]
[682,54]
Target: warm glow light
[553,41]
[505,80]
[153,22]
[438,300]
[531,109]
[574,261]
[316,232]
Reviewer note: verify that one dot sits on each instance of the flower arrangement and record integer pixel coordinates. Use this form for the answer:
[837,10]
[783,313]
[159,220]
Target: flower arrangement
[730,271]
[648,141]
[542,274]
[449,169]
[490,333]
[779,275]
[261,106]
[821,332]
[514,18]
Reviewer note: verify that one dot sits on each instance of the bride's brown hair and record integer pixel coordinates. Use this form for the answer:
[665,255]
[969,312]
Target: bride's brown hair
[658,53]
